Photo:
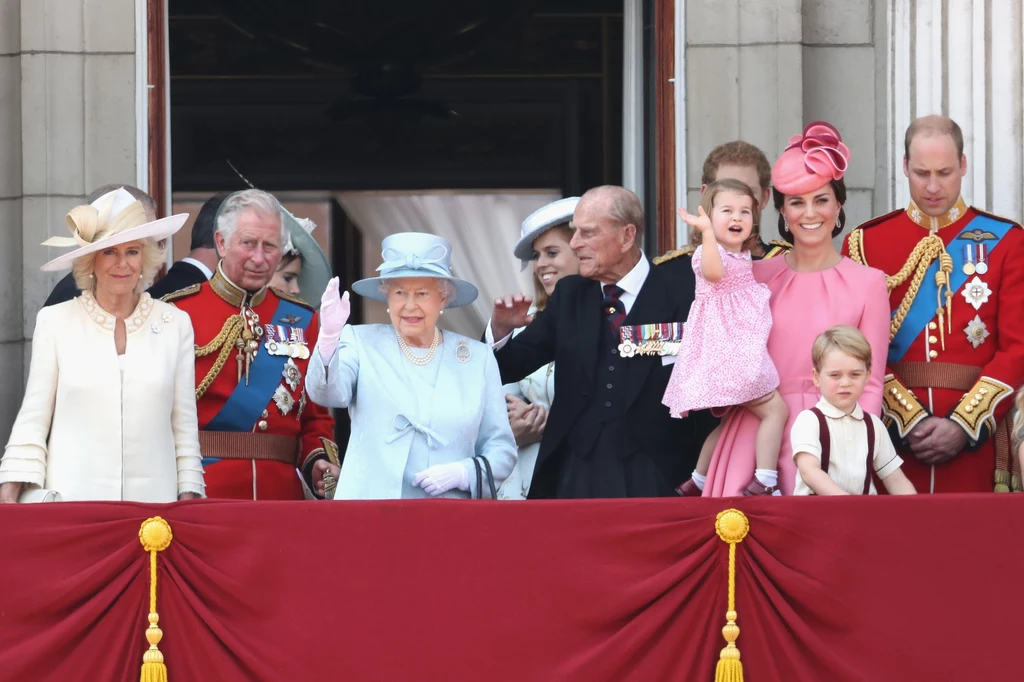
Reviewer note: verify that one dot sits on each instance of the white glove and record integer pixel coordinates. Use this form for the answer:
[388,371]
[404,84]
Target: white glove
[441,478]
[334,312]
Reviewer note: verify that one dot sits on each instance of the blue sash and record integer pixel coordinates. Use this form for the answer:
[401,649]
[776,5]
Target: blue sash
[245,405]
[922,310]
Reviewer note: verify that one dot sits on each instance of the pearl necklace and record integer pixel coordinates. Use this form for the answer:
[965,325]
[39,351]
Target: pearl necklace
[420,359]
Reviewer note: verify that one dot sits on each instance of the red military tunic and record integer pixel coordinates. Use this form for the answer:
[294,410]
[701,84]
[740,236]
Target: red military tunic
[253,435]
[959,356]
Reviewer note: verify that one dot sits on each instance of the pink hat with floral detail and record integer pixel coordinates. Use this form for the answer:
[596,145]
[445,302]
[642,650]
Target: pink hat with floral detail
[811,160]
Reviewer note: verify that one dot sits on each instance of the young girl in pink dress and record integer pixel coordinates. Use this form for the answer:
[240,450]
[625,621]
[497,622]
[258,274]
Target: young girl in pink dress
[723,360]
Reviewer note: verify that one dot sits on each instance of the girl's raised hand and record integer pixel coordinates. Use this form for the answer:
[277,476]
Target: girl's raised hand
[700,222]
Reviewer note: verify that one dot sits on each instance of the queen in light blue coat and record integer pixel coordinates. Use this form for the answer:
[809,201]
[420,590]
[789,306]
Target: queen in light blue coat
[423,402]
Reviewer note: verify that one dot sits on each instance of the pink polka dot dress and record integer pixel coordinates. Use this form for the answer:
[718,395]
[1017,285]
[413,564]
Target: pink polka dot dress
[723,359]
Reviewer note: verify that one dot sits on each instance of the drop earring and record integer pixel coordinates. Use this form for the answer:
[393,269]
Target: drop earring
[442,311]
[839,223]
[389,311]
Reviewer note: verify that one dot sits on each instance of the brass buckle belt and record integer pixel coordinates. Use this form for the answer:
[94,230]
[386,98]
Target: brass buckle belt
[235,445]
[936,375]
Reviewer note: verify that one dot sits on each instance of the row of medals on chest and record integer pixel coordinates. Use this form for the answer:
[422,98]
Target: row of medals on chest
[976,292]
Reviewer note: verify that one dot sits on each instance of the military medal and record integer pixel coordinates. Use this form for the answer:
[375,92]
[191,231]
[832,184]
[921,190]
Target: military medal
[278,340]
[982,266]
[247,342]
[650,339]
[976,331]
[284,400]
[297,340]
[969,267]
[292,374]
[462,351]
[976,292]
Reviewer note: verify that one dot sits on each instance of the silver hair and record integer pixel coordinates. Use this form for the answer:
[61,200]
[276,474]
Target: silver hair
[445,286]
[256,200]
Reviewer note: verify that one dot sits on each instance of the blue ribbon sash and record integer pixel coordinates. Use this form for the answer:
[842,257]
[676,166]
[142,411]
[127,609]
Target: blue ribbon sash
[922,310]
[244,407]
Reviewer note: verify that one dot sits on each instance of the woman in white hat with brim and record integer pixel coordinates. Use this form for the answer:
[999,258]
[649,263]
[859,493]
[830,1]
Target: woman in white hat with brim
[424,403]
[544,245]
[109,410]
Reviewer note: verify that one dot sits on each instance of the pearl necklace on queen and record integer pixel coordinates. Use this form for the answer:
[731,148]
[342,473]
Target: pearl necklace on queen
[419,359]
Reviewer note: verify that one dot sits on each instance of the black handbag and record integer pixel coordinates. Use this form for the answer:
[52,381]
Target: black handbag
[481,465]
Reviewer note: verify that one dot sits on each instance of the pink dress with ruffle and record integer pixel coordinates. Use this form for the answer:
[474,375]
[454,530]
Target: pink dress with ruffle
[723,359]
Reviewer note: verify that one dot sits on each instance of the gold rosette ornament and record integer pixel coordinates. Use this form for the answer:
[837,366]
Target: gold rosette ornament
[732,526]
[155,536]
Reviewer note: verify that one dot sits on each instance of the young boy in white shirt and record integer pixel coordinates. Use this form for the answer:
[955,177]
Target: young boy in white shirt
[836,444]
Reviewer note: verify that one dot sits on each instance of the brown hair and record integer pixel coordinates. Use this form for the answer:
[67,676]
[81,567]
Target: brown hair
[707,202]
[845,339]
[540,296]
[934,125]
[838,188]
[737,153]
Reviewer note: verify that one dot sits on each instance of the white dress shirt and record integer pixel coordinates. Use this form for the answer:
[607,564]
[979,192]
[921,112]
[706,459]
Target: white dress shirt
[199,264]
[630,285]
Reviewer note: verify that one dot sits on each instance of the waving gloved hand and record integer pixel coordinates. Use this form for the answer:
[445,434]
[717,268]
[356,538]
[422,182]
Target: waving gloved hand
[441,478]
[334,312]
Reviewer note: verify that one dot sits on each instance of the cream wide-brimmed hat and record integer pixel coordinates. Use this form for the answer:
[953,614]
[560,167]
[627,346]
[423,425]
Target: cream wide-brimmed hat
[540,221]
[115,218]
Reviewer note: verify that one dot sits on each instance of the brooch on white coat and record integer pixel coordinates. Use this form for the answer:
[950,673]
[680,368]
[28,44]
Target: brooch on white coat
[167,318]
[284,400]
[156,328]
[462,351]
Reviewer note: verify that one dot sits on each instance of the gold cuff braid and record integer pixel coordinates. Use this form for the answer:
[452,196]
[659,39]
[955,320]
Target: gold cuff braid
[977,408]
[900,406]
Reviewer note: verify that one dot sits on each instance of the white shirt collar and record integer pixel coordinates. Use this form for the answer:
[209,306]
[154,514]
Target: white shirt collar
[830,410]
[636,277]
[199,264]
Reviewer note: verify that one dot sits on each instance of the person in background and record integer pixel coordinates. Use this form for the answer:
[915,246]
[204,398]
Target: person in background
[198,266]
[956,292]
[66,289]
[109,410]
[739,160]
[544,245]
[427,406]
[252,349]
[812,289]
[837,446]
[304,270]
[608,434]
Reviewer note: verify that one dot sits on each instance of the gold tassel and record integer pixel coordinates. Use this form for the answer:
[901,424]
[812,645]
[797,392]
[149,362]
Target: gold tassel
[732,526]
[155,536]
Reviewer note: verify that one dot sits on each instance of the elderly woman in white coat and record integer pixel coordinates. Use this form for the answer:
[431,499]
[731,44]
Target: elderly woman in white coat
[544,245]
[109,411]
[424,403]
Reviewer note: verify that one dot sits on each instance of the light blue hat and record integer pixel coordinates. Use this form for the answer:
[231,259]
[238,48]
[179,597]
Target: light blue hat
[316,269]
[540,221]
[416,254]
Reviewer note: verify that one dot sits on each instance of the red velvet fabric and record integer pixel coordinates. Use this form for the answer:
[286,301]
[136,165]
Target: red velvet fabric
[835,589]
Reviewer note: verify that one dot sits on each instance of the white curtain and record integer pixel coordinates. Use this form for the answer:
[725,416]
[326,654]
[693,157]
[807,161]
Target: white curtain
[483,228]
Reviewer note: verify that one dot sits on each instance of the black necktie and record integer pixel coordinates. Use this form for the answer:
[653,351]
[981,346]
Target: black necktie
[613,308]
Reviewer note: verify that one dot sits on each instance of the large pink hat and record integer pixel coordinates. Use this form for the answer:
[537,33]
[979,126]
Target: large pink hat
[811,160]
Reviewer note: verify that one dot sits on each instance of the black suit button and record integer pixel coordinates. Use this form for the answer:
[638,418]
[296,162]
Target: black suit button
[608,404]
[611,368]
[609,385]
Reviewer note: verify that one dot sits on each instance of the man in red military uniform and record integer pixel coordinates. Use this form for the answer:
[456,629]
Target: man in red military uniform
[956,350]
[252,348]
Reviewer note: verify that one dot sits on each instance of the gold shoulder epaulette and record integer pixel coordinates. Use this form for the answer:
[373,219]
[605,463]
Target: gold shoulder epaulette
[993,216]
[777,248]
[880,219]
[294,299]
[181,293]
[675,253]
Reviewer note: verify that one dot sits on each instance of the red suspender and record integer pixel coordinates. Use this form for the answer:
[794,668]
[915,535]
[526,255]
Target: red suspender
[825,438]
[870,424]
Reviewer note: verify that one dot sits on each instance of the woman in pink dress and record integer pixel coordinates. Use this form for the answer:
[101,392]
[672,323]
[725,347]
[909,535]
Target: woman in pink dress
[813,288]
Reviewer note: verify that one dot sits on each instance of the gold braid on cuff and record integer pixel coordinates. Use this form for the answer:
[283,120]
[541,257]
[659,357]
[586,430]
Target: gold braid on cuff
[900,406]
[976,409]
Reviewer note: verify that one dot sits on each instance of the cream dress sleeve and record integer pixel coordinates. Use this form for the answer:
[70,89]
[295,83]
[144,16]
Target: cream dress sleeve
[184,418]
[24,458]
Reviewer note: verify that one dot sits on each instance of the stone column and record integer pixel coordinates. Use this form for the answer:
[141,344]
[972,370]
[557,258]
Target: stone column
[67,126]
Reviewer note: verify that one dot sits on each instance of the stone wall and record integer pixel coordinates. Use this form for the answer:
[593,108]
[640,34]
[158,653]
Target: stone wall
[67,125]
[758,70]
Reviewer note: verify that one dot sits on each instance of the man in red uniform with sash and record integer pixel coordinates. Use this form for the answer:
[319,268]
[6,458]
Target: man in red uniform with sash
[956,349]
[253,343]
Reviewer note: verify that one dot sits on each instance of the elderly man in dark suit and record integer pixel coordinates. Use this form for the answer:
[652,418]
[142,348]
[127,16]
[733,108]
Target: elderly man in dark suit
[608,434]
